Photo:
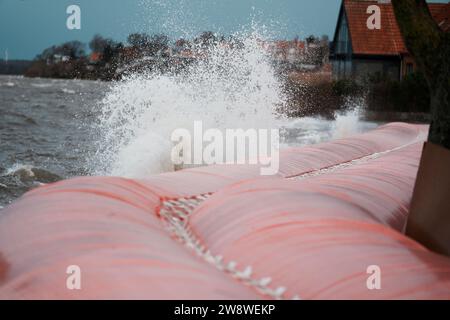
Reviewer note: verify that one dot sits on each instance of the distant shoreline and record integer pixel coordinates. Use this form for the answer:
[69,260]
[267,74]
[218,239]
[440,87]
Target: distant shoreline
[14,67]
[46,78]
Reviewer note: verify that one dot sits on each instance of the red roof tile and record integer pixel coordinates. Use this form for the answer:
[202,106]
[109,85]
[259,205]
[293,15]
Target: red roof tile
[95,56]
[388,40]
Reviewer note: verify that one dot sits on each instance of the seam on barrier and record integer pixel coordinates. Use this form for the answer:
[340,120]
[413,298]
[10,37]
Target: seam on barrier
[176,215]
[347,164]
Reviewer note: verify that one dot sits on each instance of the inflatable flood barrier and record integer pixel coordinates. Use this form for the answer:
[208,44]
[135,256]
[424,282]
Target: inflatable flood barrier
[335,211]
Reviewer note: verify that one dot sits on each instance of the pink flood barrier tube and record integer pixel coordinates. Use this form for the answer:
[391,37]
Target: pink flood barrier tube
[311,232]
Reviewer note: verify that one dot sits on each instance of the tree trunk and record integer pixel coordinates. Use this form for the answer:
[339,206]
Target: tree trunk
[430,48]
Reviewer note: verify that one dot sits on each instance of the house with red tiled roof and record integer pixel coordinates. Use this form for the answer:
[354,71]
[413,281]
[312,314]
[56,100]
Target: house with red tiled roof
[359,51]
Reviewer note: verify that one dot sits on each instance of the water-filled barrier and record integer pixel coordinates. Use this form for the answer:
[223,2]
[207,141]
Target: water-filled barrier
[329,226]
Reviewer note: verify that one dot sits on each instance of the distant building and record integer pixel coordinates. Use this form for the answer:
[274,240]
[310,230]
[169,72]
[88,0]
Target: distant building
[297,55]
[95,57]
[284,50]
[58,58]
[358,52]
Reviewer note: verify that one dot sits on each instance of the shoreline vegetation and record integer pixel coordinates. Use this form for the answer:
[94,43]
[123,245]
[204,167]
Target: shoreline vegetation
[303,66]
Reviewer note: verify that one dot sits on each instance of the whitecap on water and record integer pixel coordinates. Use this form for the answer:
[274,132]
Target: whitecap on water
[8,84]
[42,85]
[29,173]
[68,91]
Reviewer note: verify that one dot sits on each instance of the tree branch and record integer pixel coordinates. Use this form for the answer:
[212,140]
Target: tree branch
[430,48]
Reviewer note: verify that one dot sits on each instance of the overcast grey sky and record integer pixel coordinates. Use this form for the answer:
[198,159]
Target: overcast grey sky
[29,26]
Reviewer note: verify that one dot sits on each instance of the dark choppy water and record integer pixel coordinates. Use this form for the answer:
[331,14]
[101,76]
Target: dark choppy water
[44,131]
[47,131]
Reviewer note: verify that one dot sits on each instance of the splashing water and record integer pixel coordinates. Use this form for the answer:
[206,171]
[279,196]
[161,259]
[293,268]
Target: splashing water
[346,124]
[231,87]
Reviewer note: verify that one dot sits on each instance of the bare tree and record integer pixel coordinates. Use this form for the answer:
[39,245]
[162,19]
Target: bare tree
[206,39]
[138,40]
[73,49]
[108,48]
[157,44]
